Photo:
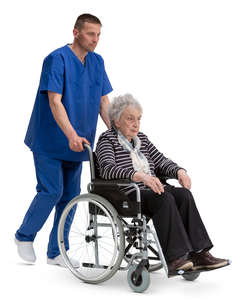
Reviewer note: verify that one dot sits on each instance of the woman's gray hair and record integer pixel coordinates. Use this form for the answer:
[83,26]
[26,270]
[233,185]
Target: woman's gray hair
[119,104]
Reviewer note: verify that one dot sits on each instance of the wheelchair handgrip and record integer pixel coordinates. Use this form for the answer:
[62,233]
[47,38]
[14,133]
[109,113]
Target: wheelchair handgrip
[86,146]
[91,157]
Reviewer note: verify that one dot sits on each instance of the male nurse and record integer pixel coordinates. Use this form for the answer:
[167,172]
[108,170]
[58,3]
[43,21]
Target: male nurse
[72,92]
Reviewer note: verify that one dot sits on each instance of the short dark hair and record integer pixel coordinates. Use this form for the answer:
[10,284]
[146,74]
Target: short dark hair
[86,18]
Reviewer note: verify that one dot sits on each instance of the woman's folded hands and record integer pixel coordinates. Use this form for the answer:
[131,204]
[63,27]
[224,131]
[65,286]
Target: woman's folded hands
[151,181]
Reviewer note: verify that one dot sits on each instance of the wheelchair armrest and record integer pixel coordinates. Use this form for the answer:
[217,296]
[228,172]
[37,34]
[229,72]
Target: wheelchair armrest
[102,182]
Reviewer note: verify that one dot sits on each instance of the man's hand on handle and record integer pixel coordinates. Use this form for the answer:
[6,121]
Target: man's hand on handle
[76,143]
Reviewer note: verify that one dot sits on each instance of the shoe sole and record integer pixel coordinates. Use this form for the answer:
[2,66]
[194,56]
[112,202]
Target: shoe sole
[186,267]
[54,263]
[211,267]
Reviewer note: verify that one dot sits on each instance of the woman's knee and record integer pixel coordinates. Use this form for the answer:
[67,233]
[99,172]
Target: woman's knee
[182,193]
[155,202]
[183,196]
[187,195]
[168,199]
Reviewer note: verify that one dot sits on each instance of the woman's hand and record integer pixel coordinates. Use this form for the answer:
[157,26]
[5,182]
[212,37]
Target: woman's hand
[184,179]
[151,181]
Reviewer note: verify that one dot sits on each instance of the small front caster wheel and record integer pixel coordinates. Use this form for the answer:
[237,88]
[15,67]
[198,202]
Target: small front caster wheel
[191,277]
[143,281]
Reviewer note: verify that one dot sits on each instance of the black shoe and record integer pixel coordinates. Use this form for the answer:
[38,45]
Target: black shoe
[205,260]
[181,263]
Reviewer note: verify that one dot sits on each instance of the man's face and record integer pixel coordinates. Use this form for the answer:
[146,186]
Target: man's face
[87,38]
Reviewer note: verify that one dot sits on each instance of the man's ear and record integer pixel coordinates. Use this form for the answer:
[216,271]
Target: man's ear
[75,32]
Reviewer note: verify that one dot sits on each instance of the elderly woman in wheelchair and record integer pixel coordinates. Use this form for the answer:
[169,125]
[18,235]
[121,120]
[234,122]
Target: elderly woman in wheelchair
[133,184]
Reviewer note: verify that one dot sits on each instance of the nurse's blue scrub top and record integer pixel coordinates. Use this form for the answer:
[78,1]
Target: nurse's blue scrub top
[81,88]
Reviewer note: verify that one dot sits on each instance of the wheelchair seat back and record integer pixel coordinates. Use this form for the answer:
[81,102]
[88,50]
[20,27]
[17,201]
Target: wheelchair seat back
[123,205]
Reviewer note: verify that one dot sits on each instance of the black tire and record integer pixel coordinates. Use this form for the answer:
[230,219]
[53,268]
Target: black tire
[109,212]
[142,283]
[191,276]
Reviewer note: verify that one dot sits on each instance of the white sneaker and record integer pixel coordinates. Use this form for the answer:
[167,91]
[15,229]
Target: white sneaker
[26,251]
[59,261]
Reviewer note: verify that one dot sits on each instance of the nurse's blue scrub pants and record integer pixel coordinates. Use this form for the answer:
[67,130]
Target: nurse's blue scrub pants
[57,183]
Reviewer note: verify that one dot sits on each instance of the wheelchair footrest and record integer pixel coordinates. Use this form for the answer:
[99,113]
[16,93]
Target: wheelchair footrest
[149,257]
[181,272]
[87,265]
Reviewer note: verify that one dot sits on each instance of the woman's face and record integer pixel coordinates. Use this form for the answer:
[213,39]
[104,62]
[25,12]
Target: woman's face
[129,122]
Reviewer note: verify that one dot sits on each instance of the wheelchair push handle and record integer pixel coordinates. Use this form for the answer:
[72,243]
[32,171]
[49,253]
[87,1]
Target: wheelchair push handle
[91,158]
[87,146]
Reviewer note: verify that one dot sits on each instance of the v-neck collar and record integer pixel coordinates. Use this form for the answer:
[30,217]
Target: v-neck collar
[83,65]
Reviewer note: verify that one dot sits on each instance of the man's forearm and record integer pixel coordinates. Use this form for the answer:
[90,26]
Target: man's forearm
[104,106]
[60,115]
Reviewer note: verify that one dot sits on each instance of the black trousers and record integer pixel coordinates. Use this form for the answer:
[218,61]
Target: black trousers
[176,219]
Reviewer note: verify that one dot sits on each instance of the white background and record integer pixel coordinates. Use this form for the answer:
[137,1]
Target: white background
[180,60]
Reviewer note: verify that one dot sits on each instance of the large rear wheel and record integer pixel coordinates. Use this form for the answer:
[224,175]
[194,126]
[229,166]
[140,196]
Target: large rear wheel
[95,239]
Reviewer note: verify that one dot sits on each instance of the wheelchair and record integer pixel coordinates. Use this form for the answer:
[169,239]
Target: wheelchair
[110,233]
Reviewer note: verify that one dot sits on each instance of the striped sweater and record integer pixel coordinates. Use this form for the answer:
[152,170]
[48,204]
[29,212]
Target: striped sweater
[114,162]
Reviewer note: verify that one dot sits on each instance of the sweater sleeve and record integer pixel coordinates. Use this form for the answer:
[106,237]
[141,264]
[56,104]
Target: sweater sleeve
[163,165]
[107,164]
